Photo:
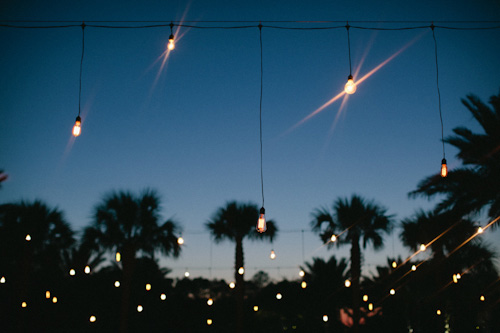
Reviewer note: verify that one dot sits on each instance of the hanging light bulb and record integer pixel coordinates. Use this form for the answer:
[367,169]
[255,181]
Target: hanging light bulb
[455,279]
[303,284]
[54,300]
[347,283]
[232,285]
[210,302]
[255,308]
[325,318]
[47,294]
[241,271]
[140,308]
[209,322]
[261,223]
[438,312]
[480,230]
[350,86]
[180,240]
[171,43]
[413,268]
[87,269]
[163,297]
[365,298]
[444,168]
[370,307]
[24,304]
[392,291]
[333,238]
[77,129]
[118,256]
[423,247]
[117,284]
[279,296]
[2,279]
[148,286]
[302,273]
[28,238]
[272,256]
[92,319]
[72,272]
[394,264]
[186,274]
[482,298]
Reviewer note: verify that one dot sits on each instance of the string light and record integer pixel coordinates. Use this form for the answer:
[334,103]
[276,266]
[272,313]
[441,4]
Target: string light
[163,297]
[347,283]
[2,279]
[171,43]
[422,247]
[480,230]
[279,296]
[232,285]
[255,308]
[325,318]
[148,286]
[261,222]
[438,312]
[392,291]
[302,273]
[54,300]
[77,128]
[365,298]
[370,307]
[87,269]
[92,319]
[186,274]
[413,268]
[140,308]
[180,240]
[72,272]
[481,298]
[24,304]
[118,257]
[394,264]
[209,322]
[303,284]
[28,237]
[333,238]
[350,86]
[272,256]
[117,283]
[47,294]
[210,302]
[241,271]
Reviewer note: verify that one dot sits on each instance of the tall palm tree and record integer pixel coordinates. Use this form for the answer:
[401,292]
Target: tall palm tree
[352,220]
[235,222]
[129,224]
[473,186]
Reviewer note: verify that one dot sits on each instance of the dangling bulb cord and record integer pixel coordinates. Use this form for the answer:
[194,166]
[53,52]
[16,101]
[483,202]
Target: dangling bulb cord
[261,223]
[171,42]
[444,166]
[350,86]
[77,129]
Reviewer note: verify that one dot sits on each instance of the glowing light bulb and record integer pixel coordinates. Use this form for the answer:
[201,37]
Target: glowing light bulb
[148,286]
[171,43]
[394,264]
[117,283]
[28,238]
[279,296]
[255,308]
[347,283]
[47,294]
[87,269]
[209,322]
[302,273]
[333,238]
[54,300]
[72,272]
[438,312]
[480,230]
[77,129]
[232,285]
[325,318]
[140,308]
[118,257]
[459,276]
[350,86]
[241,271]
[303,284]
[272,255]
[370,307]
[413,268]
[365,298]
[455,279]
[92,319]
[482,298]
[210,302]
[163,297]
[261,223]
[180,240]
[392,291]
[2,279]
[24,304]
[186,274]
[422,247]
[444,168]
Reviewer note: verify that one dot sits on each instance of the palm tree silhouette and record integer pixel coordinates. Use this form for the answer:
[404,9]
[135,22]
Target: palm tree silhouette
[235,222]
[352,220]
[129,224]
[473,186]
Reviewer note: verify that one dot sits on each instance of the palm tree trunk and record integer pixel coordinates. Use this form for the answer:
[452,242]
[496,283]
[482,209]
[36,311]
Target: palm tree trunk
[240,287]
[128,264]
[355,275]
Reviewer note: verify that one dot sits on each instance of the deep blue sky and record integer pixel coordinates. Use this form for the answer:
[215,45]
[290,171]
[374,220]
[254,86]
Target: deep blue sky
[191,129]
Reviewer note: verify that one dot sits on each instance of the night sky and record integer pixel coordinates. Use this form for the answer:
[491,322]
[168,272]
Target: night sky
[188,125]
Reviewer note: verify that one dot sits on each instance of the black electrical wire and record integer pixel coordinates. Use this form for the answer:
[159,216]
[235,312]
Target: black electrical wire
[437,85]
[81,67]
[260,114]
[349,47]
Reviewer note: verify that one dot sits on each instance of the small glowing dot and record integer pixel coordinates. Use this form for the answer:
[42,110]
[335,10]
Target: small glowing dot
[333,238]
[365,298]
[459,276]
[148,286]
[186,274]
[370,307]
[482,298]
[72,272]
[303,284]
[422,247]
[118,256]
[47,294]
[117,284]
[24,304]
[163,297]
[272,255]
[394,264]
[139,308]
[392,292]
[2,280]
[347,283]
[210,302]
[255,308]
[87,269]
[302,273]
[92,319]
[180,240]
[480,230]
[232,285]
[54,300]
[438,312]
[325,318]
[209,322]
[414,268]
[241,271]
[28,237]
[279,296]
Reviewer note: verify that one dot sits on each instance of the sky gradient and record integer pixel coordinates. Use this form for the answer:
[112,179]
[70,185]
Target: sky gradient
[189,127]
